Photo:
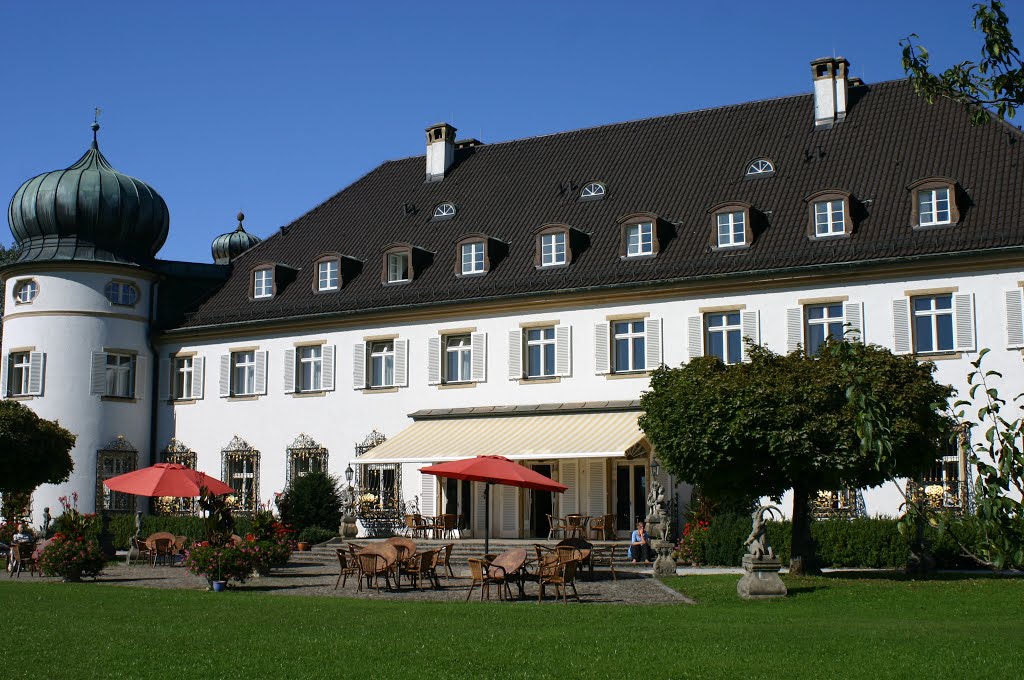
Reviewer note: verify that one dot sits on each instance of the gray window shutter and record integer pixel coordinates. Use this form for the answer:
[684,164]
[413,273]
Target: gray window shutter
[602,340]
[359,366]
[853,314]
[515,355]
[289,371]
[3,375]
[140,377]
[98,384]
[563,351]
[36,367]
[198,376]
[401,363]
[963,321]
[166,379]
[434,360]
[750,328]
[1015,318]
[479,343]
[327,368]
[509,512]
[261,372]
[225,375]
[428,483]
[653,344]
[794,328]
[694,336]
[901,341]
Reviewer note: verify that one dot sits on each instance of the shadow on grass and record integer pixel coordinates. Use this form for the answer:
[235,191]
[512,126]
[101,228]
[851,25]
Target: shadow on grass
[857,575]
[804,590]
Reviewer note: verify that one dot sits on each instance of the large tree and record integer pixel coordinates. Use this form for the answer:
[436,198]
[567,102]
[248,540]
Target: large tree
[792,421]
[993,83]
[33,450]
[7,255]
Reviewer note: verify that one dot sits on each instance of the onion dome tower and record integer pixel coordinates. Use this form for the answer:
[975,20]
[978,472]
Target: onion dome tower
[89,212]
[227,247]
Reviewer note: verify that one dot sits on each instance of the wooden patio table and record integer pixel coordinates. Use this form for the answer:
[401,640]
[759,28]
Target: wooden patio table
[406,549]
[510,565]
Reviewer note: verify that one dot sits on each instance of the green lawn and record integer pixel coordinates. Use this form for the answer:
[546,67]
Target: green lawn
[828,627]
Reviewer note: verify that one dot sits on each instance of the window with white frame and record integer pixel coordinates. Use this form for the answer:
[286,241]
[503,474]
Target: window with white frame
[20,368]
[473,257]
[823,321]
[629,341]
[25,292]
[398,267]
[540,352]
[933,323]
[382,363]
[327,275]
[120,374]
[243,373]
[933,206]
[640,239]
[552,249]
[263,283]
[241,469]
[444,211]
[121,293]
[829,217]
[732,229]
[592,192]
[725,336]
[181,387]
[309,368]
[458,358]
[761,167]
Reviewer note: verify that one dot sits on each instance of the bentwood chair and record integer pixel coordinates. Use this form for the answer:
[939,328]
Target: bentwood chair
[139,548]
[555,527]
[23,555]
[347,567]
[421,567]
[480,573]
[444,560]
[603,556]
[561,575]
[371,567]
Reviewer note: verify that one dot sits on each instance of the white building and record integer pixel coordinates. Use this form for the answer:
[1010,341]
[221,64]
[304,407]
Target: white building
[511,298]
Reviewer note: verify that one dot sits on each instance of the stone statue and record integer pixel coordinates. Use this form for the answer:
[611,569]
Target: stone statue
[138,523]
[655,501]
[348,500]
[757,541]
[47,519]
[414,506]
[666,528]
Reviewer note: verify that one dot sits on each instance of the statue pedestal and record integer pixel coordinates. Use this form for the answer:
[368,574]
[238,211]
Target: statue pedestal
[761,579]
[664,565]
[348,527]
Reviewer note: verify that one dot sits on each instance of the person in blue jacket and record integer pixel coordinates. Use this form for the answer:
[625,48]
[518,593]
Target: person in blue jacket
[640,544]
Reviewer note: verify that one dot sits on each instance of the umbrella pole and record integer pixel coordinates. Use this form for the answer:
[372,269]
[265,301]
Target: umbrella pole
[487,518]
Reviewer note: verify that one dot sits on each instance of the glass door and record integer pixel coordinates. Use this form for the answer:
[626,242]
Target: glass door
[542,504]
[630,495]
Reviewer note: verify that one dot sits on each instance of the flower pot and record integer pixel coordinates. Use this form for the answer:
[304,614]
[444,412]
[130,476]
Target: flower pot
[303,546]
[219,586]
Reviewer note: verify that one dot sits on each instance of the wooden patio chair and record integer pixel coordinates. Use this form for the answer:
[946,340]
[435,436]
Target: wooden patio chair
[161,549]
[179,547]
[139,547]
[22,556]
[609,527]
[410,526]
[421,567]
[600,527]
[444,560]
[371,566]
[449,523]
[603,556]
[480,574]
[555,526]
[561,575]
[422,527]
[348,567]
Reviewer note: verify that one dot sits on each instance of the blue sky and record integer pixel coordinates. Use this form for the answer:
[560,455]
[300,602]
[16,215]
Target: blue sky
[273,107]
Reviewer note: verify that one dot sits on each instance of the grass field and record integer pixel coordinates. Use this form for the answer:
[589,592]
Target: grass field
[829,627]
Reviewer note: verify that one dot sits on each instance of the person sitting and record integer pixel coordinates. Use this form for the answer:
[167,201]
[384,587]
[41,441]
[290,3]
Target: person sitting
[640,544]
[22,535]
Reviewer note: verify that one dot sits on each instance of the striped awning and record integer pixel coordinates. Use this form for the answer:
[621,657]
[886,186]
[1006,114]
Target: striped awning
[518,437]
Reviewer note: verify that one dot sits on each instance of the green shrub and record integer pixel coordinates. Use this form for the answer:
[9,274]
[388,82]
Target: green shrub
[314,535]
[312,500]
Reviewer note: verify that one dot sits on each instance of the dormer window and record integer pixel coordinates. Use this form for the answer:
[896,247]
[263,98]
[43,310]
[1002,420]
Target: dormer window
[762,167]
[640,239]
[830,214]
[398,267]
[328,274]
[553,249]
[121,293]
[732,228]
[263,283]
[444,211]
[25,292]
[935,203]
[641,236]
[594,191]
[473,257]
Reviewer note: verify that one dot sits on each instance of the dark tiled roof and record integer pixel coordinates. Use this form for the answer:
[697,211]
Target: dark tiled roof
[527,409]
[677,167]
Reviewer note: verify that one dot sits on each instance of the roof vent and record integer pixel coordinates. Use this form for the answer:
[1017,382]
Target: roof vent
[440,150]
[829,74]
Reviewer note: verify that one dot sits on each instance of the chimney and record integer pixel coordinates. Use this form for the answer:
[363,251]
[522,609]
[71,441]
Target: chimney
[440,150]
[829,75]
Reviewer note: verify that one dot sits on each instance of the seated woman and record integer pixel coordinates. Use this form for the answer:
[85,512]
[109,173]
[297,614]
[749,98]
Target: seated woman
[640,544]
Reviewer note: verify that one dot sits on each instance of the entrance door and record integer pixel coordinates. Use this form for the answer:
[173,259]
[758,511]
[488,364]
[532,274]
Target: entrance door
[458,500]
[542,504]
[630,495]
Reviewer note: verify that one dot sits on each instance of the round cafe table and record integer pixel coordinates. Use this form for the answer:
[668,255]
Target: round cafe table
[385,550]
[406,549]
[511,564]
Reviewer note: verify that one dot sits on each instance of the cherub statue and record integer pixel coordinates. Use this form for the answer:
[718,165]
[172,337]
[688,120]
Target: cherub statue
[655,500]
[757,541]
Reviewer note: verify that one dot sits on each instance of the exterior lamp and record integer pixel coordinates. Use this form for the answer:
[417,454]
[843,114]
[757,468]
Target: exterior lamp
[655,467]
[349,474]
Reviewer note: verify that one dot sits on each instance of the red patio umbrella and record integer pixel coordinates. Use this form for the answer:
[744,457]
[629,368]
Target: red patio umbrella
[167,479]
[493,470]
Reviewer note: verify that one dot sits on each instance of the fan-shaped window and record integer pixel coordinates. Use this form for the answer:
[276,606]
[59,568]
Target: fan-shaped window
[762,167]
[26,291]
[121,293]
[592,192]
[444,211]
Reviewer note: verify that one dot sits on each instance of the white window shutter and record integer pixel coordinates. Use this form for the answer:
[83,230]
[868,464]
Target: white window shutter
[166,378]
[515,355]
[596,487]
[3,375]
[568,475]
[509,510]
[140,377]
[853,315]
[479,507]
[261,372]
[602,340]
[750,329]
[198,376]
[794,328]
[359,366]
[653,344]
[434,361]
[901,339]
[401,363]
[479,343]
[694,337]
[289,370]
[563,351]
[963,321]
[98,384]
[225,375]
[428,484]
[1015,318]
[327,368]
[36,368]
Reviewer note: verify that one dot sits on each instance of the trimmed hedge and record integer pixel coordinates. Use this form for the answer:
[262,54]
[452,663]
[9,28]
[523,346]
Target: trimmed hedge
[122,526]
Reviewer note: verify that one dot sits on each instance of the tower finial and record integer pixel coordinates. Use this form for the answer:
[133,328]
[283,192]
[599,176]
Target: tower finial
[241,218]
[95,126]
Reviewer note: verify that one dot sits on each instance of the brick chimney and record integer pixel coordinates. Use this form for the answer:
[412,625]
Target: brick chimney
[830,74]
[440,150]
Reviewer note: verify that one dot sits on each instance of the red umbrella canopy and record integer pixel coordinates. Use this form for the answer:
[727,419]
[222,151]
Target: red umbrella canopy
[167,479]
[495,470]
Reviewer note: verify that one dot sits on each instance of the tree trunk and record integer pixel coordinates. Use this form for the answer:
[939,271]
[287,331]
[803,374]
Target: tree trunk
[803,559]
